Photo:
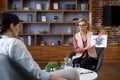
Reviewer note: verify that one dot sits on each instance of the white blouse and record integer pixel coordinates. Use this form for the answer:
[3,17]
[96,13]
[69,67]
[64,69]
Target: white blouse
[16,49]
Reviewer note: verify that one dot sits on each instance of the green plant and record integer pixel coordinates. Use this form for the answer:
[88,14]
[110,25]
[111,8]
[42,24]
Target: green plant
[52,65]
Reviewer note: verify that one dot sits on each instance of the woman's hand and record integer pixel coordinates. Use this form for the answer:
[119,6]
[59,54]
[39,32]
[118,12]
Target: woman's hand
[89,47]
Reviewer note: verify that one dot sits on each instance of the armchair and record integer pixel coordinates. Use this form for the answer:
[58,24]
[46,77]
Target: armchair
[11,70]
[100,58]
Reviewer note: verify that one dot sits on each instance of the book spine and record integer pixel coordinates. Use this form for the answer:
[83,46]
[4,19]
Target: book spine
[29,40]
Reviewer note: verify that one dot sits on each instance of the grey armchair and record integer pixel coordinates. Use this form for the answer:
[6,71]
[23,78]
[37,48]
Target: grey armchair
[100,54]
[11,70]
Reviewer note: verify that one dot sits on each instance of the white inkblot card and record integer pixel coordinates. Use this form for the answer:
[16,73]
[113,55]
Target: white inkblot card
[99,40]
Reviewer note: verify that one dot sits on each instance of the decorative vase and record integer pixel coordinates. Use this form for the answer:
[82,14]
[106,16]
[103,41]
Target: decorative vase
[59,42]
[15,7]
[69,31]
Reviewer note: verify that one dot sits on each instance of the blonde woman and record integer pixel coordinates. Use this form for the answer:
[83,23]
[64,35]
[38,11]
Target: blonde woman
[85,52]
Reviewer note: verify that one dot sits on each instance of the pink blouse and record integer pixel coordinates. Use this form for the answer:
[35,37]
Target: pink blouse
[80,50]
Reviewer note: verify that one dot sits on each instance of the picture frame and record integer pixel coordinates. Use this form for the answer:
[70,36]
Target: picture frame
[84,6]
[43,18]
[55,6]
[47,6]
[38,6]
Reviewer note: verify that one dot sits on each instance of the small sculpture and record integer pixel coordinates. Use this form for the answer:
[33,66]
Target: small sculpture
[15,7]
[42,43]
[56,18]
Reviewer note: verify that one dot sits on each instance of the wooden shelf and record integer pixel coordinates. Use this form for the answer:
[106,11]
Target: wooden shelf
[42,19]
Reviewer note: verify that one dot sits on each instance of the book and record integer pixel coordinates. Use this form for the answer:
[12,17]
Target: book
[99,40]
[29,40]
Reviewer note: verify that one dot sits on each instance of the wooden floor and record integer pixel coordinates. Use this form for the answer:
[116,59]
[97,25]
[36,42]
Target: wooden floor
[108,71]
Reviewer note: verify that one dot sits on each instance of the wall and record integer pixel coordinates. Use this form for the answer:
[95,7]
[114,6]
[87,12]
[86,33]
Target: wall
[114,31]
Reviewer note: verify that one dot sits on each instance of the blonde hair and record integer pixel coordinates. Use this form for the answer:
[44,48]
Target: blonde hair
[82,20]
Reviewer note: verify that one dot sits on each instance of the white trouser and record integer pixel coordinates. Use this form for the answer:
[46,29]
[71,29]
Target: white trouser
[69,74]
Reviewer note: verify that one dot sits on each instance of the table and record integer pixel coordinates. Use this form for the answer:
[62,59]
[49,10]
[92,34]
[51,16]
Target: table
[86,74]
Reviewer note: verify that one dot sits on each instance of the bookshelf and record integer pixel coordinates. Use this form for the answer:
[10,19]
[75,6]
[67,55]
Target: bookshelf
[50,24]
[54,17]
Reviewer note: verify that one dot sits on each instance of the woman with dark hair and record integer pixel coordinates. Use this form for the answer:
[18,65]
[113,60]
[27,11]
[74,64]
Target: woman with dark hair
[14,48]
